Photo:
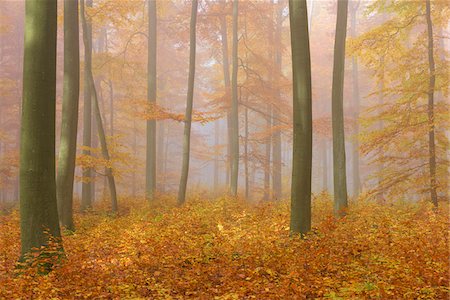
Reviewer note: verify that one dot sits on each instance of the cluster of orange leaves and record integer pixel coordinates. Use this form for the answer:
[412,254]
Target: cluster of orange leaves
[226,249]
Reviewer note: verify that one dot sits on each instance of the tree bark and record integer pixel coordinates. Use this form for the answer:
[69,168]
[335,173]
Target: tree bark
[234,107]
[302,116]
[339,171]
[38,206]
[189,105]
[150,177]
[431,88]
[69,123]
[86,189]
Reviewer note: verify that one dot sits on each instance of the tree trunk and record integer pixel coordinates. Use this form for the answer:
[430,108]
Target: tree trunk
[150,171]
[431,133]
[189,105]
[86,192]
[98,118]
[38,206]
[234,107]
[69,123]
[339,171]
[216,156]
[247,187]
[355,99]
[277,163]
[302,116]
[324,165]
[268,146]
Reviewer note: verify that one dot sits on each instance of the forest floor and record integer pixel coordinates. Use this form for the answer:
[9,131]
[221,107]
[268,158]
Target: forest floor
[226,249]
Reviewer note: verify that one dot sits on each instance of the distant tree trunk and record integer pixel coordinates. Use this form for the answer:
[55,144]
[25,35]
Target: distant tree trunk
[247,187]
[227,83]
[431,88]
[38,206]
[324,165]
[133,176]
[234,107]
[98,118]
[150,177]
[86,192]
[277,164]
[69,123]
[189,105]
[111,106]
[302,109]
[339,171]
[268,146]
[216,156]
[355,98]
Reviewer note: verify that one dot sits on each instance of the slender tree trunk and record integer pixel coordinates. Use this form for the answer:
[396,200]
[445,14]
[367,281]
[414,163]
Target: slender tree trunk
[227,83]
[133,176]
[277,163]
[355,98]
[189,105]
[339,171]
[268,147]
[431,88]
[234,107]
[38,206]
[86,192]
[247,188]
[216,156]
[150,177]
[111,107]
[69,123]
[324,165]
[302,108]
[98,118]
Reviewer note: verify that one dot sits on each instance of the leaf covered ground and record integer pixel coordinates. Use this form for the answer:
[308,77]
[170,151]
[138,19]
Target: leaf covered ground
[227,249]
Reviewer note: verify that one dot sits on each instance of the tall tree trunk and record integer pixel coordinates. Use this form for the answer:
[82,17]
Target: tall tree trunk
[247,187]
[86,192]
[69,123]
[98,118]
[339,171]
[111,107]
[189,105]
[355,98]
[324,165]
[268,146]
[38,206]
[234,107]
[277,164]
[216,156]
[302,109]
[150,171]
[431,88]
[227,83]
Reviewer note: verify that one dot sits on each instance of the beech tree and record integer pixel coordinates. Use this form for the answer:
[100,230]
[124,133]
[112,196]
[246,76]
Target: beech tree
[189,105]
[38,206]
[302,117]
[69,122]
[339,171]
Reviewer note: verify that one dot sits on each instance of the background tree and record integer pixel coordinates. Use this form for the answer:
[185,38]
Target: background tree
[38,206]
[339,163]
[189,105]
[302,108]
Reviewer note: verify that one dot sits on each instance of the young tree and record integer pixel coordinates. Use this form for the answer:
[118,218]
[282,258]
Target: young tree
[302,109]
[86,192]
[339,171]
[432,85]
[234,107]
[189,104]
[69,123]
[150,170]
[38,207]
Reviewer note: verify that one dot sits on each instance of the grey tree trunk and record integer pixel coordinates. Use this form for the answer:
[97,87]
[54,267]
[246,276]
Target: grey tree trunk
[302,116]
[431,88]
[86,189]
[150,171]
[69,123]
[38,206]
[234,107]
[356,109]
[277,163]
[98,117]
[189,105]
[339,171]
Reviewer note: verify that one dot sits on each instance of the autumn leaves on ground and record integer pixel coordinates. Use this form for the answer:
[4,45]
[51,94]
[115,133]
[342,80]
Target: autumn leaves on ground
[230,249]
